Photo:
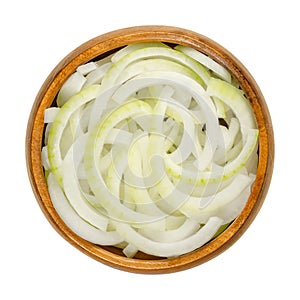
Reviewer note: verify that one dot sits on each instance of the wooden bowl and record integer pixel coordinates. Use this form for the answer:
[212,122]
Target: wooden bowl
[100,47]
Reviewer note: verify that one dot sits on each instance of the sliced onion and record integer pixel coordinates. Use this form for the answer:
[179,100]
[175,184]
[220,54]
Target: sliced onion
[70,87]
[79,226]
[146,53]
[133,47]
[206,61]
[58,126]
[150,149]
[50,114]
[170,249]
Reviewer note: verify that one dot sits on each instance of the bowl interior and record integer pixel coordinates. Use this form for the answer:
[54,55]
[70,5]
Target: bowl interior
[100,47]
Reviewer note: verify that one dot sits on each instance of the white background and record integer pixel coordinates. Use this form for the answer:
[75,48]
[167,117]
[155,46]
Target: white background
[36,263]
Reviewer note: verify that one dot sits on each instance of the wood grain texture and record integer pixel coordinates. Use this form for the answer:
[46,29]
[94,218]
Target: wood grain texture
[101,46]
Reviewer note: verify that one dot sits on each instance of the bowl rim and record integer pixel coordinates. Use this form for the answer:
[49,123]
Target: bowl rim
[111,41]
